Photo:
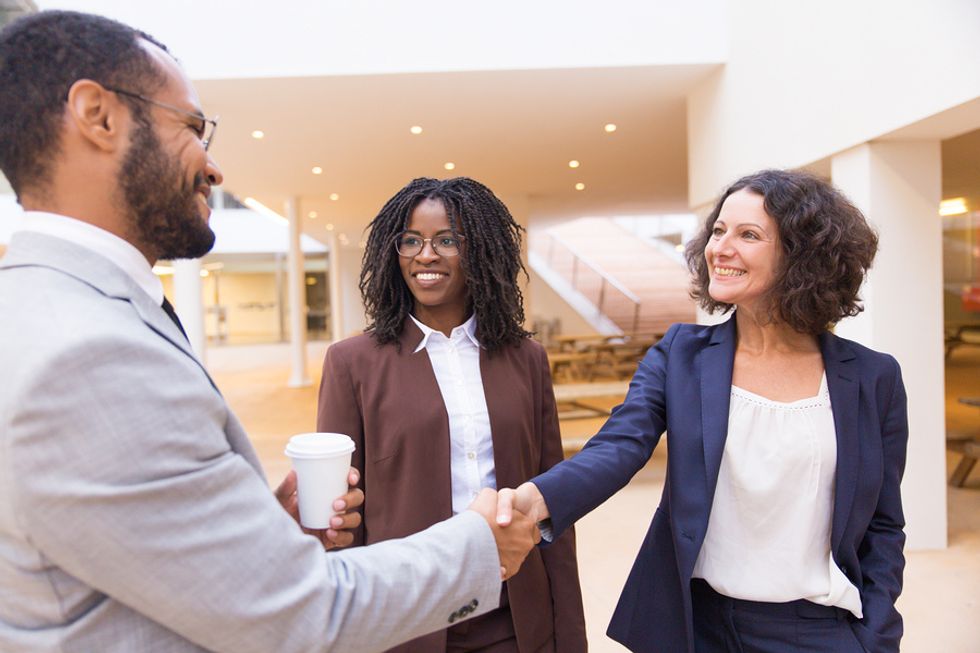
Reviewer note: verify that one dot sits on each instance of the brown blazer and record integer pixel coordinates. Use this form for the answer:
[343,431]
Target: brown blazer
[388,400]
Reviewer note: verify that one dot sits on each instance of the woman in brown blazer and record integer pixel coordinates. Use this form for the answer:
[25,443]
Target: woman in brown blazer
[446,393]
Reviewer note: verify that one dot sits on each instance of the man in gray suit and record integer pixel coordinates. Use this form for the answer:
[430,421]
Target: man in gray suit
[134,515]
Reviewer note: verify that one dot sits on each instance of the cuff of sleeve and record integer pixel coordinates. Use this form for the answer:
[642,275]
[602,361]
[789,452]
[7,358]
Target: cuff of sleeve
[547,532]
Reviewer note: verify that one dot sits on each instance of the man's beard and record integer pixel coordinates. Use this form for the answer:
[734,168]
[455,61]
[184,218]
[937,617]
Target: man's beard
[164,208]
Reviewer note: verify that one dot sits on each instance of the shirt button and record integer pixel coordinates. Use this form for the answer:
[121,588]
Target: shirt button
[471,455]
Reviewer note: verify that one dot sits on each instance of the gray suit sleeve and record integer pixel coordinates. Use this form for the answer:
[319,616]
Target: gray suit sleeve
[121,475]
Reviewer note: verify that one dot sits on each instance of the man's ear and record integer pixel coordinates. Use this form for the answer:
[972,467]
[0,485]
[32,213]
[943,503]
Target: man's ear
[97,115]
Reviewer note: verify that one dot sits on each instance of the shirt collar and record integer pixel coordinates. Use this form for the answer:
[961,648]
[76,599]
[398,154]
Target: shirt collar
[468,329]
[100,241]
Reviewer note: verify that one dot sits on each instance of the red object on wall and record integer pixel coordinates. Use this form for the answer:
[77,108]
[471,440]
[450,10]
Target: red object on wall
[971,298]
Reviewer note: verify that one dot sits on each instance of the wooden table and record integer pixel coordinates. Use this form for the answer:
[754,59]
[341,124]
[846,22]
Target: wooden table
[572,403]
[968,447]
[959,335]
[572,342]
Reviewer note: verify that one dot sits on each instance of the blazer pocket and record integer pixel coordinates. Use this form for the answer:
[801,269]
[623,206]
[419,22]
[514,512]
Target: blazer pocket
[383,454]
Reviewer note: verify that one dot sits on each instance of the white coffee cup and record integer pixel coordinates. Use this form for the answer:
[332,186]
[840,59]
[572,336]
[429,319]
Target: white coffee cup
[322,463]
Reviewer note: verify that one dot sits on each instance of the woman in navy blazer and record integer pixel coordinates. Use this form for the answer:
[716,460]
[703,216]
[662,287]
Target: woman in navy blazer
[790,253]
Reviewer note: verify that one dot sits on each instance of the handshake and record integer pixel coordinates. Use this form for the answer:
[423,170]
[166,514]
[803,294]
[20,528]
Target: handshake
[513,516]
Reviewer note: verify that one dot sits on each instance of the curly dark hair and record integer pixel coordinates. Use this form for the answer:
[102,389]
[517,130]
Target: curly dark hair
[491,261]
[827,248]
[41,56]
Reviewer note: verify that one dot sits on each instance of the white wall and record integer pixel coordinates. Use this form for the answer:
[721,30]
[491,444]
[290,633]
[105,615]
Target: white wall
[546,304]
[294,38]
[810,78]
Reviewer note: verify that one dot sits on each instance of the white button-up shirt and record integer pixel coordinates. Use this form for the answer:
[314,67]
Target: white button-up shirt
[100,241]
[456,363]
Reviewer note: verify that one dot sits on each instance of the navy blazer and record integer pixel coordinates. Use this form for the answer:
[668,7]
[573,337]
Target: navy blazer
[683,385]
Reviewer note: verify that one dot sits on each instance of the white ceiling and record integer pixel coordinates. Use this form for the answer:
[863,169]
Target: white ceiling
[513,130]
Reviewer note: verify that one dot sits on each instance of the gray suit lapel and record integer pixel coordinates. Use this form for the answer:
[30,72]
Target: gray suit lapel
[38,250]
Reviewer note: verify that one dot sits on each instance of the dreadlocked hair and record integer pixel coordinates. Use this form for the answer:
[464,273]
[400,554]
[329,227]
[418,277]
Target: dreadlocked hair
[491,261]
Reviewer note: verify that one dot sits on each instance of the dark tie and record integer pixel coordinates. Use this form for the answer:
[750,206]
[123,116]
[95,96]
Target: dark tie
[169,310]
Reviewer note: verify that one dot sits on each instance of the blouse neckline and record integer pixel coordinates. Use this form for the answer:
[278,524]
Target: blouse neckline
[807,402]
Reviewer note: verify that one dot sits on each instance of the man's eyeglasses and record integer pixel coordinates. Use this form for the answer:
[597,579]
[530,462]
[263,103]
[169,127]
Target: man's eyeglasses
[409,245]
[207,125]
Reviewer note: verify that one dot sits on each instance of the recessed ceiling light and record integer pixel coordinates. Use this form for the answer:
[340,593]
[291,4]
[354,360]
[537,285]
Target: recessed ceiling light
[415,129]
[449,165]
[329,226]
[334,197]
[573,164]
[312,215]
[679,248]
[579,186]
[317,170]
[610,127]
[258,134]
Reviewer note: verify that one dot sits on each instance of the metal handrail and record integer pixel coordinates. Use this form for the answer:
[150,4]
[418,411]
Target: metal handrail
[603,275]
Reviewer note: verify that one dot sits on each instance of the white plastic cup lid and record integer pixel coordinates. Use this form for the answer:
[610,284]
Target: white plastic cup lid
[319,445]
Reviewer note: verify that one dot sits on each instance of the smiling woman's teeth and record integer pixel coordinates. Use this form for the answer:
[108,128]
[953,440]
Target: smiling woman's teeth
[729,272]
[428,276]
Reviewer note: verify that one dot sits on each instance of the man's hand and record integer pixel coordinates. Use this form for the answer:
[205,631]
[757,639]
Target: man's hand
[526,498]
[339,534]
[515,540]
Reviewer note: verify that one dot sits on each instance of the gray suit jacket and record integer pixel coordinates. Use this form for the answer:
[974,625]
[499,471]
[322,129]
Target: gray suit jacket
[134,515]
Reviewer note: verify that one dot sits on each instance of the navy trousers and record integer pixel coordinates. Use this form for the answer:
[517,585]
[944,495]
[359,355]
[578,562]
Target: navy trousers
[726,625]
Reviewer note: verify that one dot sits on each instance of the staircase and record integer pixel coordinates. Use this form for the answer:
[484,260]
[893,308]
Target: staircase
[616,280]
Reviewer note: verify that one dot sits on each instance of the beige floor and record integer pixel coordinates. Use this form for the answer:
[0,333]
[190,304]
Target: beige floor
[940,602]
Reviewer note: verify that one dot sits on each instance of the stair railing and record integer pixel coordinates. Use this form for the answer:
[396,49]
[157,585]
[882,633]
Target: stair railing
[606,279]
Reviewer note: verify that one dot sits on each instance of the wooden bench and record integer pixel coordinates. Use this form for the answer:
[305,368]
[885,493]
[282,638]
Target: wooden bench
[572,398]
[571,366]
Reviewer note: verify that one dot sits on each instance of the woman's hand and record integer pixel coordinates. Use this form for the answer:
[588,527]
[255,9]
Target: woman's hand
[526,498]
[341,525]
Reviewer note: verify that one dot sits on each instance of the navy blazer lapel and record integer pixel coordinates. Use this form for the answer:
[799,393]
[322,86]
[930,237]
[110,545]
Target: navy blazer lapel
[842,383]
[715,370]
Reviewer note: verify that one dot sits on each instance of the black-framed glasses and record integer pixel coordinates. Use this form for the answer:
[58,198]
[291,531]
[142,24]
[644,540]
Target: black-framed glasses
[205,131]
[409,245]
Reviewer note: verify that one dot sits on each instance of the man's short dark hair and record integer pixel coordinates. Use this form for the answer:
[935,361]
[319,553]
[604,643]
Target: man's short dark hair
[827,247]
[41,56]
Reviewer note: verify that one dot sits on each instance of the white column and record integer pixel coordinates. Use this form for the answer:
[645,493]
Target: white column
[296,284]
[898,185]
[189,304]
[336,293]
